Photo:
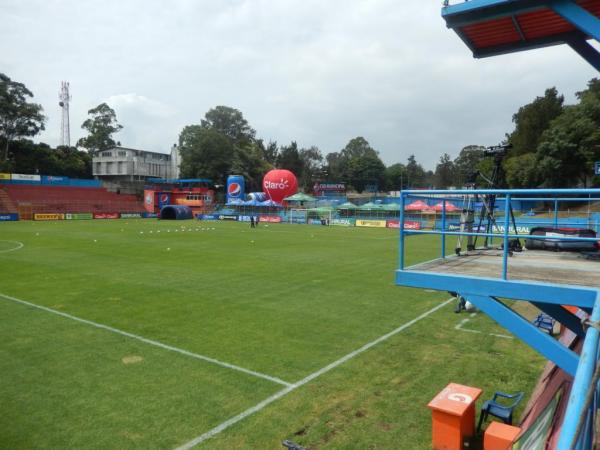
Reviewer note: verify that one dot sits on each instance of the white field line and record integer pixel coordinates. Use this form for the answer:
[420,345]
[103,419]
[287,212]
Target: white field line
[235,419]
[151,342]
[459,327]
[19,246]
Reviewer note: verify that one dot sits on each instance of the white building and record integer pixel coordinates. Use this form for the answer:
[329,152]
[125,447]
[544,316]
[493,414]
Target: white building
[129,164]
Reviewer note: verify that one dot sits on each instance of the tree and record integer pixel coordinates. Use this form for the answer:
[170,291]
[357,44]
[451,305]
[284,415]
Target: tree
[271,153]
[18,117]
[395,177]
[312,160]
[289,158]
[334,166]
[466,164]
[522,171]
[365,170]
[569,147]
[532,120]
[205,153]
[230,123]
[444,172]
[415,173]
[249,161]
[356,147]
[100,127]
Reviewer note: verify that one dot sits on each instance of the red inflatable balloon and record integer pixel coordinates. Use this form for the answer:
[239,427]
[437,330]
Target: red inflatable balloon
[279,184]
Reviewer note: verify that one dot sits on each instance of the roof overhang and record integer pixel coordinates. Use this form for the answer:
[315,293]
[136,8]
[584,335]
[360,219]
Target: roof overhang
[495,27]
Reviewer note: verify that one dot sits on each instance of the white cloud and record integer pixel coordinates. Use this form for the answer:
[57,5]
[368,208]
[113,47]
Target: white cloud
[316,72]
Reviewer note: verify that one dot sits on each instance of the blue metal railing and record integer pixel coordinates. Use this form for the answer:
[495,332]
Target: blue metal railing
[505,196]
[577,429]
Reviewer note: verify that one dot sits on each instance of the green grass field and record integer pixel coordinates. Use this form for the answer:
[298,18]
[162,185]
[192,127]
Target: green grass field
[279,303]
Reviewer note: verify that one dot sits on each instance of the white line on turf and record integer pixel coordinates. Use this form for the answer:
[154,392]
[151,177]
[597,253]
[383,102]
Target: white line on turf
[151,342]
[19,246]
[460,325]
[235,419]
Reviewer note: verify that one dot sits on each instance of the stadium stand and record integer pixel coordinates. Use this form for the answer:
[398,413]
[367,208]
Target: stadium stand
[32,199]
[6,204]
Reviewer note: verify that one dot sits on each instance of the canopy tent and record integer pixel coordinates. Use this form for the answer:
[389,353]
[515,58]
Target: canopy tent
[391,207]
[300,197]
[347,205]
[321,209]
[369,206]
[450,207]
[419,205]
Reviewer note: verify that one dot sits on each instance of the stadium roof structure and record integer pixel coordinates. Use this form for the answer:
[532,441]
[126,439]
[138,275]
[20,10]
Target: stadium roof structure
[495,27]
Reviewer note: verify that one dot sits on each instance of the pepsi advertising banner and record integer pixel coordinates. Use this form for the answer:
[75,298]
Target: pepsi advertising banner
[164,199]
[235,187]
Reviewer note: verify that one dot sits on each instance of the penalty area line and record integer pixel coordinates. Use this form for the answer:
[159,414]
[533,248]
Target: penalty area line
[259,406]
[151,342]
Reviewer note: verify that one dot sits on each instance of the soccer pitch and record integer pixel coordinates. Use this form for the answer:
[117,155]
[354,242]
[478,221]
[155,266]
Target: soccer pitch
[162,334]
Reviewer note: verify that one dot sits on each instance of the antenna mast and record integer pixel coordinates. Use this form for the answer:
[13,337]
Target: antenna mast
[64,99]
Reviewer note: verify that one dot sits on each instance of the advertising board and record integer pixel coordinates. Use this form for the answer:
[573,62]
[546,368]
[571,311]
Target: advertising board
[52,179]
[9,217]
[270,219]
[25,177]
[131,215]
[78,216]
[4,176]
[114,215]
[371,223]
[48,216]
[408,224]
[228,217]
[342,222]
[207,217]
[149,215]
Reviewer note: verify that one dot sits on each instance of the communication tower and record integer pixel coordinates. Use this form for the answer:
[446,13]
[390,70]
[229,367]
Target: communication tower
[64,99]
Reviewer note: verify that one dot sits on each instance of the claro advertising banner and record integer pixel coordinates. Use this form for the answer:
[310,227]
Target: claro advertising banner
[371,223]
[270,219]
[408,224]
[48,217]
[106,215]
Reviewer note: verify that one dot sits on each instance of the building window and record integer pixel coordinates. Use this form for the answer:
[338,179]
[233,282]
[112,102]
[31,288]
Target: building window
[109,168]
[122,153]
[120,167]
[98,168]
[106,153]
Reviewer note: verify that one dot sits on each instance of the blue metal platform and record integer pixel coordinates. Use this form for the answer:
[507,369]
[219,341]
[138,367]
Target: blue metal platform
[548,280]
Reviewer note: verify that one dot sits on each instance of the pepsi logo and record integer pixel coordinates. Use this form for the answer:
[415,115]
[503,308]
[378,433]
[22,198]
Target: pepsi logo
[164,198]
[234,189]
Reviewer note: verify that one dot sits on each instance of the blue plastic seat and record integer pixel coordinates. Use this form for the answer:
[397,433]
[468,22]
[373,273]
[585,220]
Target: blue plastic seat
[494,408]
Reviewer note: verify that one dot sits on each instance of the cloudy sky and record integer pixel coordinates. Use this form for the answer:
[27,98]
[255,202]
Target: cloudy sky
[317,72]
